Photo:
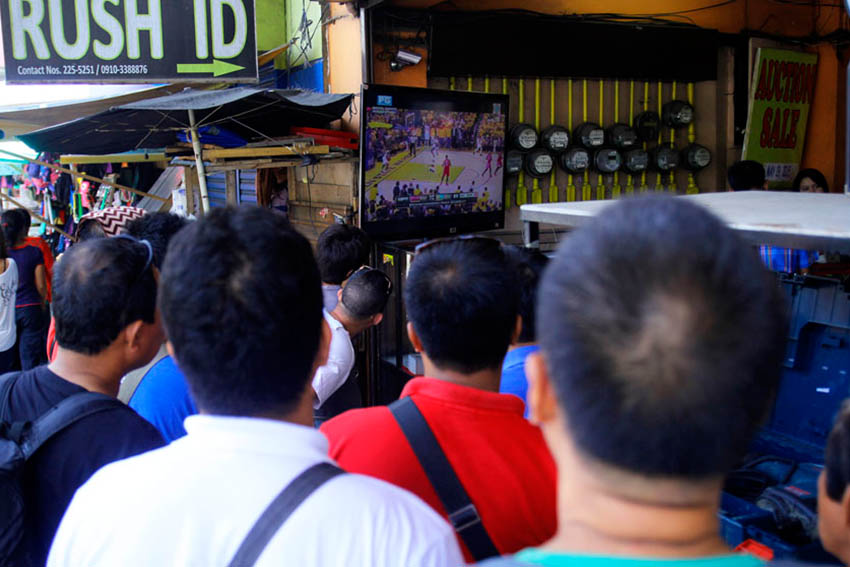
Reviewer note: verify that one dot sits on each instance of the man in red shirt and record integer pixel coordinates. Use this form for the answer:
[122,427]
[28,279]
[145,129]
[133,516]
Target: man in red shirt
[462,300]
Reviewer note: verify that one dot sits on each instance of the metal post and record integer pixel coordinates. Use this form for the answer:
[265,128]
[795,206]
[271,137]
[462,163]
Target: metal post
[199,162]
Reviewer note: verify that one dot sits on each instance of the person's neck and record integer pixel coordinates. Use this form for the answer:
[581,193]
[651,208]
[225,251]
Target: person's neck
[521,345]
[592,521]
[489,379]
[352,326]
[96,373]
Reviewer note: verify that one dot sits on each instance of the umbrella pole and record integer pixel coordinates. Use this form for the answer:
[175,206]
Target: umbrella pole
[199,162]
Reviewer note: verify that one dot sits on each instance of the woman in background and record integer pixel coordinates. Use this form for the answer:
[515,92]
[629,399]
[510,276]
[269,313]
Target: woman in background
[8,292]
[31,297]
[810,181]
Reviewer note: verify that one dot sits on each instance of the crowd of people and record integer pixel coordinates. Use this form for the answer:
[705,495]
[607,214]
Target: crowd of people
[647,352]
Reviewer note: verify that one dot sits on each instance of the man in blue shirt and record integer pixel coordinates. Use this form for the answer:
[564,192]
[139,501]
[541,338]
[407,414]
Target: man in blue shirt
[162,397]
[529,264]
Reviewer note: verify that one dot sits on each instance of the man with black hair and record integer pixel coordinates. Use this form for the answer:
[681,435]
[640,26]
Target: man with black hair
[158,391]
[528,264]
[662,337]
[104,302]
[241,301]
[361,304]
[833,496]
[341,249]
[746,175]
[461,298]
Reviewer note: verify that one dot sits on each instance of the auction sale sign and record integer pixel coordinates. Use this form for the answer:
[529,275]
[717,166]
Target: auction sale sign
[125,41]
[780,99]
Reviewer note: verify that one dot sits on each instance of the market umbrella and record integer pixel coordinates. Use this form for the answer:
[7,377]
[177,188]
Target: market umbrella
[250,112]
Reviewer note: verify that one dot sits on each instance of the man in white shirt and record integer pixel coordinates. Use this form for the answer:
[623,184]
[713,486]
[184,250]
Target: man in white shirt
[242,304]
[361,304]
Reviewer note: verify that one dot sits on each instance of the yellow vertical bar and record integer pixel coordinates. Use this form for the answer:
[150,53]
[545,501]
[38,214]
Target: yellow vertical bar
[521,190]
[600,185]
[469,83]
[553,188]
[585,184]
[486,84]
[451,83]
[692,189]
[571,188]
[616,189]
[658,181]
[630,179]
[536,193]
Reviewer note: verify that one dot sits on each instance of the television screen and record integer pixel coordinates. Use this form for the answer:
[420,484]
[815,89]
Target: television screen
[432,161]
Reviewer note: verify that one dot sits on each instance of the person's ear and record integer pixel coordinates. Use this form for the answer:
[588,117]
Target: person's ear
[414,338]
[517,330]
[339,294]
[845,508]
[376,319]
[169,348]
[134,335]
[542,402]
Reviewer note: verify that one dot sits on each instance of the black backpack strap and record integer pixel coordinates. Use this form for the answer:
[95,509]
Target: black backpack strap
[64,414]
[463,514]
[276,514]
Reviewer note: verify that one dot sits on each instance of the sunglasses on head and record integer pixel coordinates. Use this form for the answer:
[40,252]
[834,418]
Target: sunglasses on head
[144,243]
[471,238]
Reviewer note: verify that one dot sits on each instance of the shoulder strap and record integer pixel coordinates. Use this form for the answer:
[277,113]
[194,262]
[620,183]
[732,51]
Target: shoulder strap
[64,414]
[463,514]
[276,514]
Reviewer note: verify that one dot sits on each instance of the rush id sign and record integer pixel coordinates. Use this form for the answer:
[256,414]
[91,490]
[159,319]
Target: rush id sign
[780,99]
[123,41]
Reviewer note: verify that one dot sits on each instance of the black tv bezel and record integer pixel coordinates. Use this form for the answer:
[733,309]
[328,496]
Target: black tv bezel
[411,228]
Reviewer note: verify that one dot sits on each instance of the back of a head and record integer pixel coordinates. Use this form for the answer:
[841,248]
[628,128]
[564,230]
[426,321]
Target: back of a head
[158,229]
[462,299]
[340,250]
[99,288]
[241,302]
[529,265]
[14,227]
[815,175]
[25,217]
[366,293]
[745,175]
[663,335]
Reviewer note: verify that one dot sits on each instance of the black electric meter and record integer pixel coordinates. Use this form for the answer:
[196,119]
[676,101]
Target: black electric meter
[539,163]
[523,137]
[555,138]
[513,162]
[636,161]
[647,125]
[677,114]
[575,160]
[589,134]
[696,157]
[607,160]
[665,158]
[622,136]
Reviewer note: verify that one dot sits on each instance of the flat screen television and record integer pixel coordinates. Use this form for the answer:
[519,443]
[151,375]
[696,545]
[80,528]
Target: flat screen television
[431,162]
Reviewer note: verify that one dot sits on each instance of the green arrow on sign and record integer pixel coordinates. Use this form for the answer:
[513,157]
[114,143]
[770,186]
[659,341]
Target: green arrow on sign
[217,68]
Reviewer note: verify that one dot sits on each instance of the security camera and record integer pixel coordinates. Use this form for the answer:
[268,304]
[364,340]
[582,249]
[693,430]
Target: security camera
[403,59]
[408,57]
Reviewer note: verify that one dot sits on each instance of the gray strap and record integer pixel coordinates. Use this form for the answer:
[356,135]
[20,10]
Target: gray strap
[279,511]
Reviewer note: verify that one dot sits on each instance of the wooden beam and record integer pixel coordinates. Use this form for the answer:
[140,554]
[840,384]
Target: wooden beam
[84,176]
[230,187]
[265,152]
[37,216]
[112,158]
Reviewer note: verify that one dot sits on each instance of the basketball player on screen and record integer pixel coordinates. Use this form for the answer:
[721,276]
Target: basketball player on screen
[447,170]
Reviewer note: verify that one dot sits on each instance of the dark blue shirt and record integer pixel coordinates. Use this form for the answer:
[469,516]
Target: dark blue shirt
[27,258]
[162,397]
[513,373]
[70,457]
